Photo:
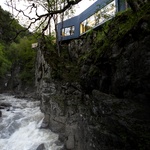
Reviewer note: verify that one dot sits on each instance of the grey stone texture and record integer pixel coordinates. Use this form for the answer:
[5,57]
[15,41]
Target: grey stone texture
[108,110]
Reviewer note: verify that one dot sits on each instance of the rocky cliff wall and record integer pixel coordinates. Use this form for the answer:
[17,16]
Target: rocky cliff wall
[108,108]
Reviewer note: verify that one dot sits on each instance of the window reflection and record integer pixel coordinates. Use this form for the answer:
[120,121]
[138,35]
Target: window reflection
[98,18]
[68,31]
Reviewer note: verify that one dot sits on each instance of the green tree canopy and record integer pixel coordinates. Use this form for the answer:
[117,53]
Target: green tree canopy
[9,27]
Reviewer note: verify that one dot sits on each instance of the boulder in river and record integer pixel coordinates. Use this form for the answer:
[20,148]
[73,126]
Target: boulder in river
[41,147]
[4,105]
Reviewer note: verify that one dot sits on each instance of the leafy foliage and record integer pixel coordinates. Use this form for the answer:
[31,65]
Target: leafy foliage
[4,62]
[16,52]
[9,28]
[22,55]
[63,67]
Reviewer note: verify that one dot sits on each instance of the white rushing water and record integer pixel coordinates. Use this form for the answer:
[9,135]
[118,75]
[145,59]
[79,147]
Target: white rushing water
[20,126]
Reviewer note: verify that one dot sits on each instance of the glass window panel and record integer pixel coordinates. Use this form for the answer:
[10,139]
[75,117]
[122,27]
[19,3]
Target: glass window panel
[98,18]
[68,31]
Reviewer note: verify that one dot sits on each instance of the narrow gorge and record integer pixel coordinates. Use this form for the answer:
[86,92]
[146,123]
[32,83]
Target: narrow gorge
[96,94]
[89,92]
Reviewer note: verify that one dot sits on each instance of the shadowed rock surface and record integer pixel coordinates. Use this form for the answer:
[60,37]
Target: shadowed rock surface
[41,147]
[105,107]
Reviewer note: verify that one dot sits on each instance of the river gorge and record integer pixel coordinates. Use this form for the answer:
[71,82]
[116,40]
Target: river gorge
[93,94]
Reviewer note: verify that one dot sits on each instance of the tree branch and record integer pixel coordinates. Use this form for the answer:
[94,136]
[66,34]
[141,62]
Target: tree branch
[51,9]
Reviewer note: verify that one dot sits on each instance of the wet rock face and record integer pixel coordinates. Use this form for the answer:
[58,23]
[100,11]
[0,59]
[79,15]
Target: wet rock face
[5,106]
[131,71]
[88,116]
[122,71]
[41,147]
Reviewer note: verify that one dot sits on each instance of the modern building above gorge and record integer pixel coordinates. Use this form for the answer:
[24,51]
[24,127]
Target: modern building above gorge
[98,13]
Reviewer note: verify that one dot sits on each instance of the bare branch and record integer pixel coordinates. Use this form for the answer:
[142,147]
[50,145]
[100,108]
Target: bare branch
[51,8]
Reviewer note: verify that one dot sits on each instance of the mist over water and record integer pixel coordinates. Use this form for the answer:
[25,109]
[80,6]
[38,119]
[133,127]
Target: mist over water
[20,126]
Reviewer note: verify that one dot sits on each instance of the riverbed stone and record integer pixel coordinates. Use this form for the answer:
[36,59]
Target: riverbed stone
[41,147]
[4,104]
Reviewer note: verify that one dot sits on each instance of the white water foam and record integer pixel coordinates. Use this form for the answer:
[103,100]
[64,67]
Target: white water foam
[19,126]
